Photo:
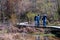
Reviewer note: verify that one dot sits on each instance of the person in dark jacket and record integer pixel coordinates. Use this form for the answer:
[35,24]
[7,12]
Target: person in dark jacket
[37,19]
[44,20]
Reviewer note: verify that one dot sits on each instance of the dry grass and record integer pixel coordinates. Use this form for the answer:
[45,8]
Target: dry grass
[17,36]
[20,36]
[13,33]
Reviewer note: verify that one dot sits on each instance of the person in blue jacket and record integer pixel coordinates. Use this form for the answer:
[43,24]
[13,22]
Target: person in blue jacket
[37,19]
[44,20]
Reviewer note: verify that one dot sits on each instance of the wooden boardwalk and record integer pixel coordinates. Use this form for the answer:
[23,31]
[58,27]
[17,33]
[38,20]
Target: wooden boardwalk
[33,25]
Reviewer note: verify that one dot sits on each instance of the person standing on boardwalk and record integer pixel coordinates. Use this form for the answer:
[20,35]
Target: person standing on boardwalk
[44,20]
[37,20]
